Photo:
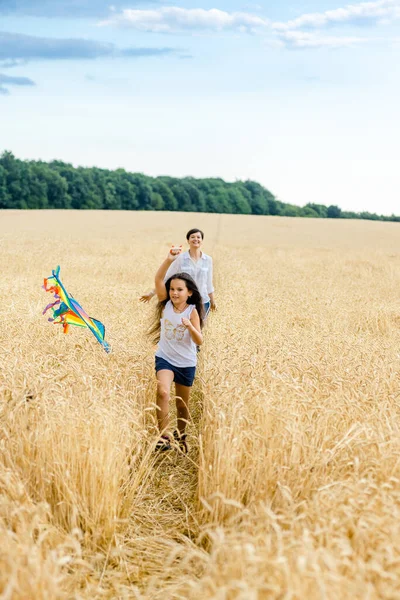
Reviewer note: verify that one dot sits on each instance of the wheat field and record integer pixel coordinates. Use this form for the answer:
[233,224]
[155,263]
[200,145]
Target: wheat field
[291,489]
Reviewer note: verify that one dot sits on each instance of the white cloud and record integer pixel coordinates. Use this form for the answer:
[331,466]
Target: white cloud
[294,34]
[382,11]
[301,39]
[174,19]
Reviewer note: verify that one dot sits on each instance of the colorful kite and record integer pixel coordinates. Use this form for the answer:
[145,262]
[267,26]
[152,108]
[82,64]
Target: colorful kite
[67,311]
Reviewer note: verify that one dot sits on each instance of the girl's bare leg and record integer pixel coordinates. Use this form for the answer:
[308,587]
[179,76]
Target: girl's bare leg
[182,406]
[164,381]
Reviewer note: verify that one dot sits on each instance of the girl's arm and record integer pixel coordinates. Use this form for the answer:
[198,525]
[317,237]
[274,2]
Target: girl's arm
[173,268]
[159,282]
[193,325]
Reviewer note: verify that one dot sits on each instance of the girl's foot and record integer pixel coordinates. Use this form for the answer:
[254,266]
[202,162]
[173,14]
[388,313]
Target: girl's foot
[181,439]
[163,444]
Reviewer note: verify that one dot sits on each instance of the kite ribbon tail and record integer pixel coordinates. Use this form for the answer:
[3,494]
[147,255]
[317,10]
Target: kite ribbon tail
[51,305]
[106,346]
[49,288]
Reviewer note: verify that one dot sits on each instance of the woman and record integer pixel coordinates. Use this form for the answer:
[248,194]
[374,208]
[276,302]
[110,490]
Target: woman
[198,265]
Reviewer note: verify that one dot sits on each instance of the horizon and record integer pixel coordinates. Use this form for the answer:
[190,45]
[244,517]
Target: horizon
[301,99]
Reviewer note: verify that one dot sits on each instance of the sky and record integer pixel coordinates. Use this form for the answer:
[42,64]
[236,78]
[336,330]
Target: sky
[300,96]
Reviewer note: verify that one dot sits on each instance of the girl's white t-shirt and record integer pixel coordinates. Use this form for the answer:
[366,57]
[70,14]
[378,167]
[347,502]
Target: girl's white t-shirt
[176,345]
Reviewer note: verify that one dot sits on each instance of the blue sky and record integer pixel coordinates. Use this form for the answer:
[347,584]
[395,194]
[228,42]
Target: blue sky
[302,97]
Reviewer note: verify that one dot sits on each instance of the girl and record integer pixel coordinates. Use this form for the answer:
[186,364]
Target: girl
[178,331]
[197,264]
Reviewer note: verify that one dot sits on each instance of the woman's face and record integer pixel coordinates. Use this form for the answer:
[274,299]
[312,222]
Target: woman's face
[195,240]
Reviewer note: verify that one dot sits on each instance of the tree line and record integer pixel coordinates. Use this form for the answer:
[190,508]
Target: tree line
[30,184]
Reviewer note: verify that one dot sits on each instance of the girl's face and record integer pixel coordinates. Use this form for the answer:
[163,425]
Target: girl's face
[195,240]
[178,292]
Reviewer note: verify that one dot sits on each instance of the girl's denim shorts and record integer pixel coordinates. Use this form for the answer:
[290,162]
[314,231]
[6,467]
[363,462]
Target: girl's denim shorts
[182,375]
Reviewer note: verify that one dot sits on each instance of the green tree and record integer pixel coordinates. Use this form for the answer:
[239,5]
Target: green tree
[197,199]
[369,216]
[17,180]
[161,188]
[259,200]
[291,211]
[143,191]
[36,184]
[4,199]
[57,189]
[333,212]
[37,197]
[307,211]
[125,189]
[239,204]
[157,202]
[182,197]
[320,209]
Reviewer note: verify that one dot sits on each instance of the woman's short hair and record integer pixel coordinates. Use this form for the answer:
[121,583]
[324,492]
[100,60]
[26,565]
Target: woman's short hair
[191,231]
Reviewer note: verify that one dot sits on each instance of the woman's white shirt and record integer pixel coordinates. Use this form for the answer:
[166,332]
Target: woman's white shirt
[201,271]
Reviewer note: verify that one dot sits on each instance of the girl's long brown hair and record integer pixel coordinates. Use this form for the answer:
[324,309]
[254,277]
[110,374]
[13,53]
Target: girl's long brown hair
[195,298]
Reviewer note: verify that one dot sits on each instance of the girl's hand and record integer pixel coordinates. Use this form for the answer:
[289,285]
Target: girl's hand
[186,322]
[213,306]
[174,252]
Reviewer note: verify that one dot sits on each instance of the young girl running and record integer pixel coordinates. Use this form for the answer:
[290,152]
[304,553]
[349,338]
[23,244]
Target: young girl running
[178,331]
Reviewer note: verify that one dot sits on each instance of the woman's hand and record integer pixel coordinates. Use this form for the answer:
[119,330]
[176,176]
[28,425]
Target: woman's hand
[213,306]
[147,296]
